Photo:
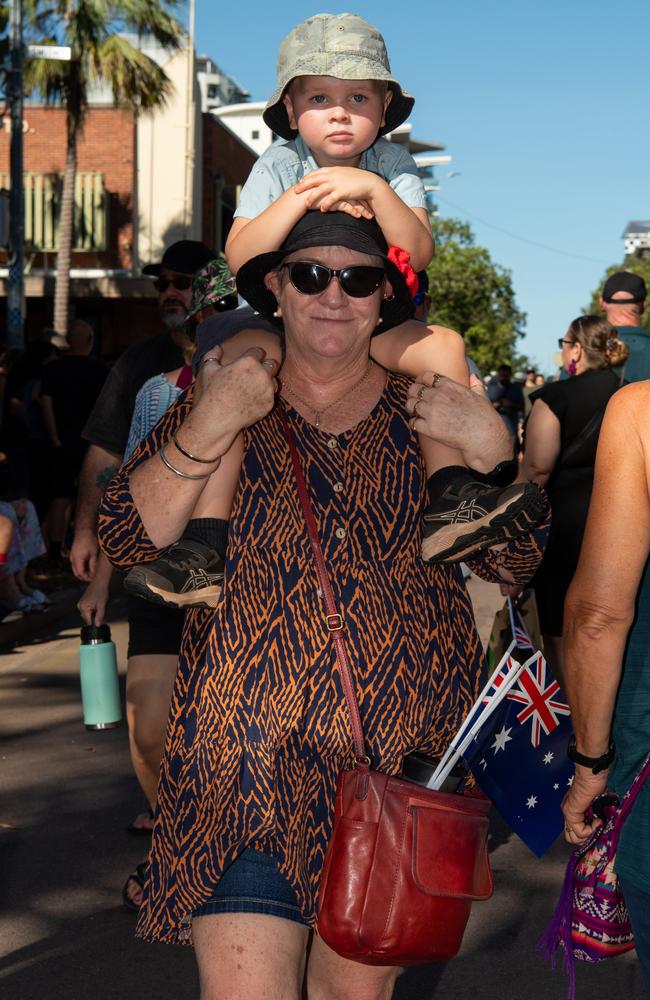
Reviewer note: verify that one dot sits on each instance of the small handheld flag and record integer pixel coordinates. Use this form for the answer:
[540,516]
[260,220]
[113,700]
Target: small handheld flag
[518,756]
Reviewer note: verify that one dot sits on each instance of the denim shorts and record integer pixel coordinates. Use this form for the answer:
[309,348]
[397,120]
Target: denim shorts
[253,884]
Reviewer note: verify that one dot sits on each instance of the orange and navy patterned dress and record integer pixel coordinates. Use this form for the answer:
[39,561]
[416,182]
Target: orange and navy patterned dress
[258,727]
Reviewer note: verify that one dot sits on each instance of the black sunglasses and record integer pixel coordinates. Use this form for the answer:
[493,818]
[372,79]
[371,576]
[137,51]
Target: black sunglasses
[181,283]
[561,342]
[358,280]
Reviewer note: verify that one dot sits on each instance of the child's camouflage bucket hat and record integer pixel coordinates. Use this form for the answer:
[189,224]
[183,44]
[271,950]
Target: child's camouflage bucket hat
[340,45]
[211,284]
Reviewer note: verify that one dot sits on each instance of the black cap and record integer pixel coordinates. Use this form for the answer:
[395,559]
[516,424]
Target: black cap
[185,257]
[95,633]
[624,281]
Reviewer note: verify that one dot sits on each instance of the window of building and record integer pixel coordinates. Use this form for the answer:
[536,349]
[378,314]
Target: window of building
[255,134]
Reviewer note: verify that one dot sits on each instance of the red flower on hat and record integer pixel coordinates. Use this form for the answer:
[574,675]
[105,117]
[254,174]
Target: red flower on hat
[401,259]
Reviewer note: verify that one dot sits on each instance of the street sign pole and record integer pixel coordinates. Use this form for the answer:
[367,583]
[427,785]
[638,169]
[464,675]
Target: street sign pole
[15,285]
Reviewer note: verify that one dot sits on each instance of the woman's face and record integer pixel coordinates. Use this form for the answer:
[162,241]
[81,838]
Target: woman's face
[330,324]
[568,350]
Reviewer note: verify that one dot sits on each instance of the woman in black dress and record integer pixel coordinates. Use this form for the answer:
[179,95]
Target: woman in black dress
[559,453]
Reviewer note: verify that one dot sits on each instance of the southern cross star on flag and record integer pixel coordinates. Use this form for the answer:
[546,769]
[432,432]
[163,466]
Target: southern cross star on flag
[518,757]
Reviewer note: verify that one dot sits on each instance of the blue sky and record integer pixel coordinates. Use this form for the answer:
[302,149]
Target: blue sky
[543,108]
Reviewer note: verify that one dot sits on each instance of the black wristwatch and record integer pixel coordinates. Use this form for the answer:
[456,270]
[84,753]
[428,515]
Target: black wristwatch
[597,764]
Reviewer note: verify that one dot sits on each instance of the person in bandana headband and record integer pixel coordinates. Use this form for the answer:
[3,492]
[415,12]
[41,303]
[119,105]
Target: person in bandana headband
[213,290]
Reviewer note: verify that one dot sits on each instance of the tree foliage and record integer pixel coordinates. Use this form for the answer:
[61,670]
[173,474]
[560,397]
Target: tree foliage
[472,294]
[638,265]
[96,31]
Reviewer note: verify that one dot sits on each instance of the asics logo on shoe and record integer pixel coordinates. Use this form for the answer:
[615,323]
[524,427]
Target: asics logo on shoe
[198,578]
[467,510]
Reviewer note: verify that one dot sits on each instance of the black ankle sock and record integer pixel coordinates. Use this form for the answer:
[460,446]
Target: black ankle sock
[212,531]
[442,478]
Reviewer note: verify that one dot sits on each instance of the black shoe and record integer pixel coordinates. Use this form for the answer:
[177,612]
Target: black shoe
[471,516]
[188,575]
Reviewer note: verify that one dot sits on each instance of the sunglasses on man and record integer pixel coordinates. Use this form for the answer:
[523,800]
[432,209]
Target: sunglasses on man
[359,280]
[181,282]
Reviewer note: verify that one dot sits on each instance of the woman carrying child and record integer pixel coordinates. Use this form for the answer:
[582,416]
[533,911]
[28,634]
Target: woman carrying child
[335,100]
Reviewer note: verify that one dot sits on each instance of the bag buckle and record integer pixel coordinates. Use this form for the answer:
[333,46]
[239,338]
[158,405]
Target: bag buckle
[334,622]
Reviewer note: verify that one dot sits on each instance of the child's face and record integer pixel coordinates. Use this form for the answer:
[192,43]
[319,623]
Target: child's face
[337,119]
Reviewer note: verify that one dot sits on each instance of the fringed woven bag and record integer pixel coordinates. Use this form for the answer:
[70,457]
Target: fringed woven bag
[591,921]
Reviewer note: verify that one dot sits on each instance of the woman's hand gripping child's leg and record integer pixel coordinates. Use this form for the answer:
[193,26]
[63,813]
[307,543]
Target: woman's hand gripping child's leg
[467,510]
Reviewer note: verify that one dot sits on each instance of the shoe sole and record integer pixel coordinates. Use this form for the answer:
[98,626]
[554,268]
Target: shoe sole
[139,583]
[517,516]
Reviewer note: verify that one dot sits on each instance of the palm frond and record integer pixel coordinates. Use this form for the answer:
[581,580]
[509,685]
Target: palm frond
[150,17]
[134,78]
[94,30]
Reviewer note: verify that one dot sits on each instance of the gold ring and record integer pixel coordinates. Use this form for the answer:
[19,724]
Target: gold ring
[436,379]
[204,361]
[419,395]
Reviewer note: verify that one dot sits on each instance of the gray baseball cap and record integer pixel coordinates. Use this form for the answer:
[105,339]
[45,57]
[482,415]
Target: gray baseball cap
[340,45]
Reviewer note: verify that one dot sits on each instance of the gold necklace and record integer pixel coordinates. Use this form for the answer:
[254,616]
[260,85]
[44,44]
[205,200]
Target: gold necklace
[319,413]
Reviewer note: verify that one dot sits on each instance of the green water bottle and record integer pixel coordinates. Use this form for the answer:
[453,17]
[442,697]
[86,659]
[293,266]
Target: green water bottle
[100,689]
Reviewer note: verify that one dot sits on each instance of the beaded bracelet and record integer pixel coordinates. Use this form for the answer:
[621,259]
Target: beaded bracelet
[177,472]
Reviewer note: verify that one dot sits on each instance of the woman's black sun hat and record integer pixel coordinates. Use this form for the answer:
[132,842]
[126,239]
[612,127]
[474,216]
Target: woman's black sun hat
[326,229]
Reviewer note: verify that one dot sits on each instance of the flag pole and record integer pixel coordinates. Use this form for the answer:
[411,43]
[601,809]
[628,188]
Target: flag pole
[450,759]
[459,735]
[511,615]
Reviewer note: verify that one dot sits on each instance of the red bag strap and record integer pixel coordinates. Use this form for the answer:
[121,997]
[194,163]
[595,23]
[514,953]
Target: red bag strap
[185,377]
[333,619]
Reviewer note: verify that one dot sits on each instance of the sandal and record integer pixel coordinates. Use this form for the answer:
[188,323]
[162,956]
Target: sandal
[136,877]
[142,825]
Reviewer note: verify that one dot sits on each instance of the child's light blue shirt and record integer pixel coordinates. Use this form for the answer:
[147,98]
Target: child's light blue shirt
[285,163]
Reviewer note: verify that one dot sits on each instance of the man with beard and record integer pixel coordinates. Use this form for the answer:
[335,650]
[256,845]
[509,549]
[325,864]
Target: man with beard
[107,428]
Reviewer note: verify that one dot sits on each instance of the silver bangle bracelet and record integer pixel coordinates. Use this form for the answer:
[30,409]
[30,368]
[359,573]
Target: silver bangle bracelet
[194,458]
[177,472]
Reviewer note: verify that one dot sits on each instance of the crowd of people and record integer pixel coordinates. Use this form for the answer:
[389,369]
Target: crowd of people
[177,462]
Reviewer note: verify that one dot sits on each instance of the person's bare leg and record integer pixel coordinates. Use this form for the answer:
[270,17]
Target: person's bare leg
[6,532]
[249,956]
[149,685]
[331,977]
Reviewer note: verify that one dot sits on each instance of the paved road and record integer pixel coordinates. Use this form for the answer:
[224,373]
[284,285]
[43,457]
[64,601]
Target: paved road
[66,796]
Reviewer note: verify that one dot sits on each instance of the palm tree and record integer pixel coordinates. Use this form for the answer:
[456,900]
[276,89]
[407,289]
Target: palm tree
[96,31]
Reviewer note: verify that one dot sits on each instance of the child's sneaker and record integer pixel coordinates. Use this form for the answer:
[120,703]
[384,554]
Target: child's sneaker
[468,516]
[188,575]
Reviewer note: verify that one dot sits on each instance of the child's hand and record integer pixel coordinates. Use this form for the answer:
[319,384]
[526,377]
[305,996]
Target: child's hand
[340,189]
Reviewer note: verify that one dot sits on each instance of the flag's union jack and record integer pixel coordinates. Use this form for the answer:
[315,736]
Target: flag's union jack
[540,701]
[498,678]
[520,635]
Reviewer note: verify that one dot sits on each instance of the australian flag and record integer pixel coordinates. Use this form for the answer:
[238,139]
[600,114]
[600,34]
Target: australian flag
[518,757]
[519,633]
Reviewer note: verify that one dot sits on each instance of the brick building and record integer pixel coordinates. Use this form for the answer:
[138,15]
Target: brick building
[142,182]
